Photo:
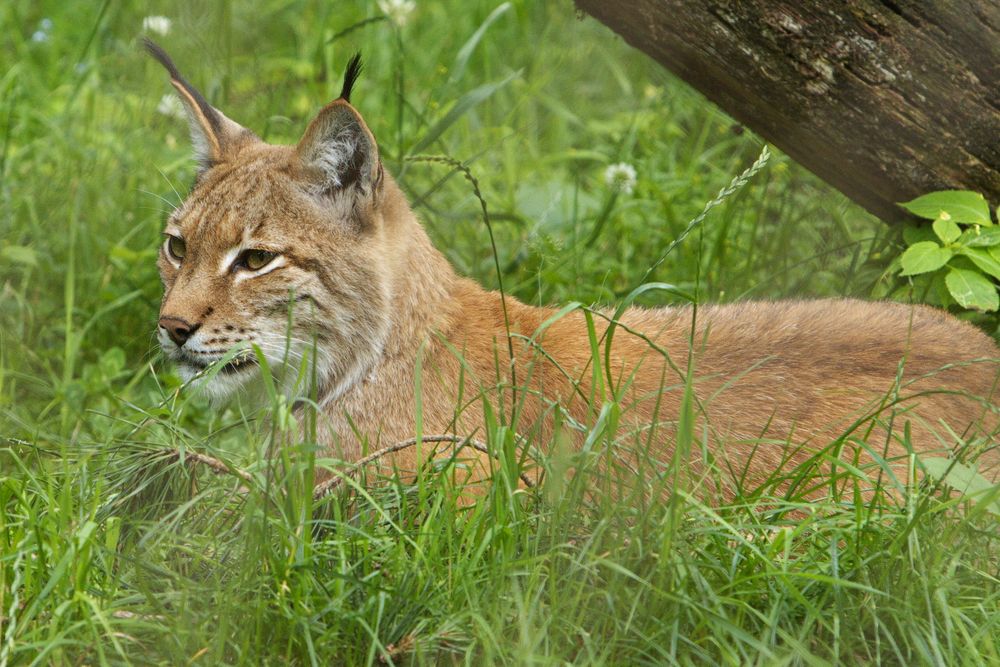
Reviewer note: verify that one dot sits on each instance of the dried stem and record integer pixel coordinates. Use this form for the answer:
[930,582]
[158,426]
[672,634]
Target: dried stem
[214,464]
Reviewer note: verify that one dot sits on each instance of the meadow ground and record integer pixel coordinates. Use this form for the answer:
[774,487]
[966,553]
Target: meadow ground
[115,547]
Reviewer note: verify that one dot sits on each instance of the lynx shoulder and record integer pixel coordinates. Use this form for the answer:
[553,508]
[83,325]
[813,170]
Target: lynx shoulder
[310,253]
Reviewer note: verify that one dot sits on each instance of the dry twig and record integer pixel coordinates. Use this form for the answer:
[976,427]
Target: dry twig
[214,464]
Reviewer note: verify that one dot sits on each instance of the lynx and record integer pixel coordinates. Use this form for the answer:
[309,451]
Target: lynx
[311,254]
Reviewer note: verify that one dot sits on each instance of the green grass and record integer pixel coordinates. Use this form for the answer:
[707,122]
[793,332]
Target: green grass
[116,549]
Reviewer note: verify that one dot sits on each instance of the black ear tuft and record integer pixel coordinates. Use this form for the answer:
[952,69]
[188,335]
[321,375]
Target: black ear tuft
[155,50]
[351,75]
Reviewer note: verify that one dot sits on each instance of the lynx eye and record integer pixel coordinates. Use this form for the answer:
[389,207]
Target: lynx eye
[255,259]
[176,247]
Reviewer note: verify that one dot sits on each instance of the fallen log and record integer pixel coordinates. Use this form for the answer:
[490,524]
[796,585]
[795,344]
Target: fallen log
[883,100]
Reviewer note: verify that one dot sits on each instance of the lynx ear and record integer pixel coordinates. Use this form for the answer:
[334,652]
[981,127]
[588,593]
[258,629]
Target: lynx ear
[338,150]
[212,134]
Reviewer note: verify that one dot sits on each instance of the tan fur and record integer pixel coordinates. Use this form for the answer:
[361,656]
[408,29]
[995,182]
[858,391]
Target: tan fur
[774,381]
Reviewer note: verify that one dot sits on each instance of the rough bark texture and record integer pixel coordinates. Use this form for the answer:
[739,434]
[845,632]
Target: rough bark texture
[883,100]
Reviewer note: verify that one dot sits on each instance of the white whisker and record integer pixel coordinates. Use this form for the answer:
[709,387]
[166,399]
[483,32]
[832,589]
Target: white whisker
[180,199]
[173,206]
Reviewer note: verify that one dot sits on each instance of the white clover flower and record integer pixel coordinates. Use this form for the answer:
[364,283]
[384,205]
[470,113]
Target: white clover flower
[158,24]
[398,11]
[620,177]
[171,106]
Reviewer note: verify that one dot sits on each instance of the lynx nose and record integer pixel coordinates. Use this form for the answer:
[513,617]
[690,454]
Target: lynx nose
[179,330]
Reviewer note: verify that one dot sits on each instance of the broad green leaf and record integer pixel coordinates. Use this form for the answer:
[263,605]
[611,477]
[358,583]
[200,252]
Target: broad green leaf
[938,293]
[972,290]
[112,361]
[947,230]
[962,478]
[984,260]
[462,59]
[19,254]
[924,257]
[914,234]
[471,99]
[980,237]
[957,205]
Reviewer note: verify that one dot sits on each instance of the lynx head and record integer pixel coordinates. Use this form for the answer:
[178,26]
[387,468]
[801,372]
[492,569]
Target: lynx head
[278,247]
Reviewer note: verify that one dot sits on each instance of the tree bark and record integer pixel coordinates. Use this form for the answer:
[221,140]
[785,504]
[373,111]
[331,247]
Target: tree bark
[883,100]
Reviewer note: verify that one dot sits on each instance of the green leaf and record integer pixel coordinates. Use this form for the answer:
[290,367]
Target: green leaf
[963,478]
[112,362]
[915,233]
[979,237]
[947,230]
[471,99]
[924,257]
[19,254]
[972,290]
[462,59]
[957,205]
[937,289]
[984,260]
